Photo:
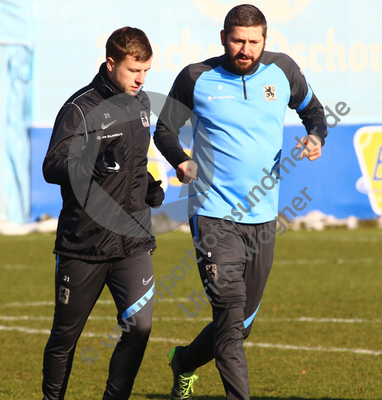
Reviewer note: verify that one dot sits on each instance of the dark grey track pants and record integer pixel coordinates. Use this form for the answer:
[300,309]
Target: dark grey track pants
[234,262]
[79,283]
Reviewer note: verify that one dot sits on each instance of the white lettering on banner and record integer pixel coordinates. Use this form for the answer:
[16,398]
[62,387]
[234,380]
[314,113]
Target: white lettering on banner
[157,59]
[313,61]
[178,55]
[376,52]
[330,55]
[358,56]
[335,51]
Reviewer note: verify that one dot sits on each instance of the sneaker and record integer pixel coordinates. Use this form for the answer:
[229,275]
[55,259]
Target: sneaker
[183,382]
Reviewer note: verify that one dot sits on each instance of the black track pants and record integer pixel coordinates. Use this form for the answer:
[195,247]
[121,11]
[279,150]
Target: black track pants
[234,262]
[78,286]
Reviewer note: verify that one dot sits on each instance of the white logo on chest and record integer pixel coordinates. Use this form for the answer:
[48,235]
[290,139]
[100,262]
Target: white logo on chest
[270,92]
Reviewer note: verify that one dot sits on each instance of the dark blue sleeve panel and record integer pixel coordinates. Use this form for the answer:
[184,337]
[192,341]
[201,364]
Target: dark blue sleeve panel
[302,98]
[177,110]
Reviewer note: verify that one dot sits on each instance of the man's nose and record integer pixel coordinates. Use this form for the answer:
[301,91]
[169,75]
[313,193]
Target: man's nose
[140,78]
[245,48]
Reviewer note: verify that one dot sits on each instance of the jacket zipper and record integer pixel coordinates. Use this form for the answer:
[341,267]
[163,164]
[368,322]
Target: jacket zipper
[244,88]
[131,163]
[131,174]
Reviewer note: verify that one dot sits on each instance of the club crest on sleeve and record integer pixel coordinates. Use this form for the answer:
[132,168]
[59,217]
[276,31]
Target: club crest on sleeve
[270,92]
[145,119]
[212,272]
[64,294]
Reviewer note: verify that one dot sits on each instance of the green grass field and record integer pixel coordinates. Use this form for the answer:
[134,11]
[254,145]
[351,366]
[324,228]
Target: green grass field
[317,334]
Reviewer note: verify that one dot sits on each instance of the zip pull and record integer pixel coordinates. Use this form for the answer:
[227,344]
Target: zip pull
[244,88]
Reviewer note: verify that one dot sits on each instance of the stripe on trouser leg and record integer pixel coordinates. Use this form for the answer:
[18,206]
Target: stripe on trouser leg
[249,320]
[195,223]
[139,304]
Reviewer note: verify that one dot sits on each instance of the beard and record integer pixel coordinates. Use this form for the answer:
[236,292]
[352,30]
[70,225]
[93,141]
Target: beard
[240,67]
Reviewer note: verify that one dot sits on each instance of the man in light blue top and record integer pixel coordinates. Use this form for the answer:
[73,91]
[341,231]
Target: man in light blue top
[237,103]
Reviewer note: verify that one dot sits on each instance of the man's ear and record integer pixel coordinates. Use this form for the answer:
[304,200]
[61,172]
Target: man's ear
[222,37]
[110,64]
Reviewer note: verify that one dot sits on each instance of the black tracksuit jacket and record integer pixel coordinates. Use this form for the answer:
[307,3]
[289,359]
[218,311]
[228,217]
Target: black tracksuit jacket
[98,155]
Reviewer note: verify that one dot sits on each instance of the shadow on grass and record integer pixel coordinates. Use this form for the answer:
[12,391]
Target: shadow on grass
[166,396]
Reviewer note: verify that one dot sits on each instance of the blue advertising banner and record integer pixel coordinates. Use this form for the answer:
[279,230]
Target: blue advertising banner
[337,183]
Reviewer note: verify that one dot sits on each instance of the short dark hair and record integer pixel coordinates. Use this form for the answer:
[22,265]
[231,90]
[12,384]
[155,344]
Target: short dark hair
[245,15]
[128,41]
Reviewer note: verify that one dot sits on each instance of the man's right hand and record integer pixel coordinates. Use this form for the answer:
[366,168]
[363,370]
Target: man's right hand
[187,171]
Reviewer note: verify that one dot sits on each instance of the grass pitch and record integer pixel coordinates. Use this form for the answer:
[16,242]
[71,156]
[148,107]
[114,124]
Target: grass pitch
[317,334]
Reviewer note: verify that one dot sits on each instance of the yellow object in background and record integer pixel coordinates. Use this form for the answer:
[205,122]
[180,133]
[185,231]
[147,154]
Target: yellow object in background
[159,167]
[368,147]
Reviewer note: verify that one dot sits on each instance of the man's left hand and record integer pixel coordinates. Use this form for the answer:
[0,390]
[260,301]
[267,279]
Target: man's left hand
[313,143]
[155,194]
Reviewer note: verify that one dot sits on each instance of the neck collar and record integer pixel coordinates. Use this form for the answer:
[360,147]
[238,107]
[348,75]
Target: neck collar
[109,91]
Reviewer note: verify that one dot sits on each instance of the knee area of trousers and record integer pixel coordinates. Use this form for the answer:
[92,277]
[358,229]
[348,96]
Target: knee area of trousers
[61,343]
[140,338]
[139,328]
[229,338]
[143,329]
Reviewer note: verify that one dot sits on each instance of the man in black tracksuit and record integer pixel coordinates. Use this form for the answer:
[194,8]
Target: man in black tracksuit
[98,155]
